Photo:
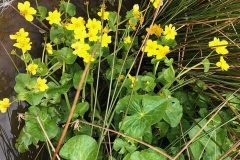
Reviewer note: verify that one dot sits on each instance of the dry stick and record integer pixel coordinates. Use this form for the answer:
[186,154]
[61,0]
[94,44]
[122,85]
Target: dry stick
[129,137]
[45,133]
[199,132]
[230,150]
[223,99]
[80,85]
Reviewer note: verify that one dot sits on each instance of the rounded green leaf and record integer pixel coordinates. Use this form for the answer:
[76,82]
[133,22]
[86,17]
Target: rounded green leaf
[81,147]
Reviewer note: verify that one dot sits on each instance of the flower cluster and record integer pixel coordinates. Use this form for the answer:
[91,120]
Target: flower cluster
[26,10]
[4,105]
[220,46]
[22,40]
[152,48]
[90,31]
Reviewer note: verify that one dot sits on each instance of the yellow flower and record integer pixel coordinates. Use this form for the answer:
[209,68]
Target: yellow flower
[81,48]
[133,80]
[4,105]
[80,34]
[32,68]
[94,25]
[22,40]
[20,34]
[219,46]
[49,48]
[162,52]
[92,36]
[88,58]
[155,29]
[222,64]
[127,40]
[170,32]
[41,84]
[76,23]
[26,10]
[156,3]
[24,44]
[54,17]
[151,48]
[103,14]
[136,12]
[106,40]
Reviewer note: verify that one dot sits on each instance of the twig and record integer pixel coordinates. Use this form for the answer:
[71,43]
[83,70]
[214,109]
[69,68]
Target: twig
[234,146]
[80,85]
[204,126]
[45,133]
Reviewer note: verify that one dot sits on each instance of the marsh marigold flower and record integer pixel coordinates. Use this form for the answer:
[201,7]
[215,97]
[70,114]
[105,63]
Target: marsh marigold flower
[94,25]
[81,48]
[151,48]
[21,34]
[4,105]
[127,40]
[41,84]
[54,17]
[93,36]
[76,23]
[155,29]
[156,3]
[106,40]
[162,52]
[222,64]
[26,10]
[22,40]
[32,68]
[219,46]
[24,44]
[170,32]
[49,48]
[103,13]
[80,34]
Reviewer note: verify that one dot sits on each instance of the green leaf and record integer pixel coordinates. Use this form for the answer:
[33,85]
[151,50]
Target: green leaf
[81,147]
[206,65]
[68,8]
[81,109]
[148,83]
[32,132]
[147,154]
[66,55]
[112,19]
[173,112]
[25,89]
[122,146]
[143,112]
[42,13]
[42,69]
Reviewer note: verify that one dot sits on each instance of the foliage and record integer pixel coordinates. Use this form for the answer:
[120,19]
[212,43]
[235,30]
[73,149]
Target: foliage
[146,92]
